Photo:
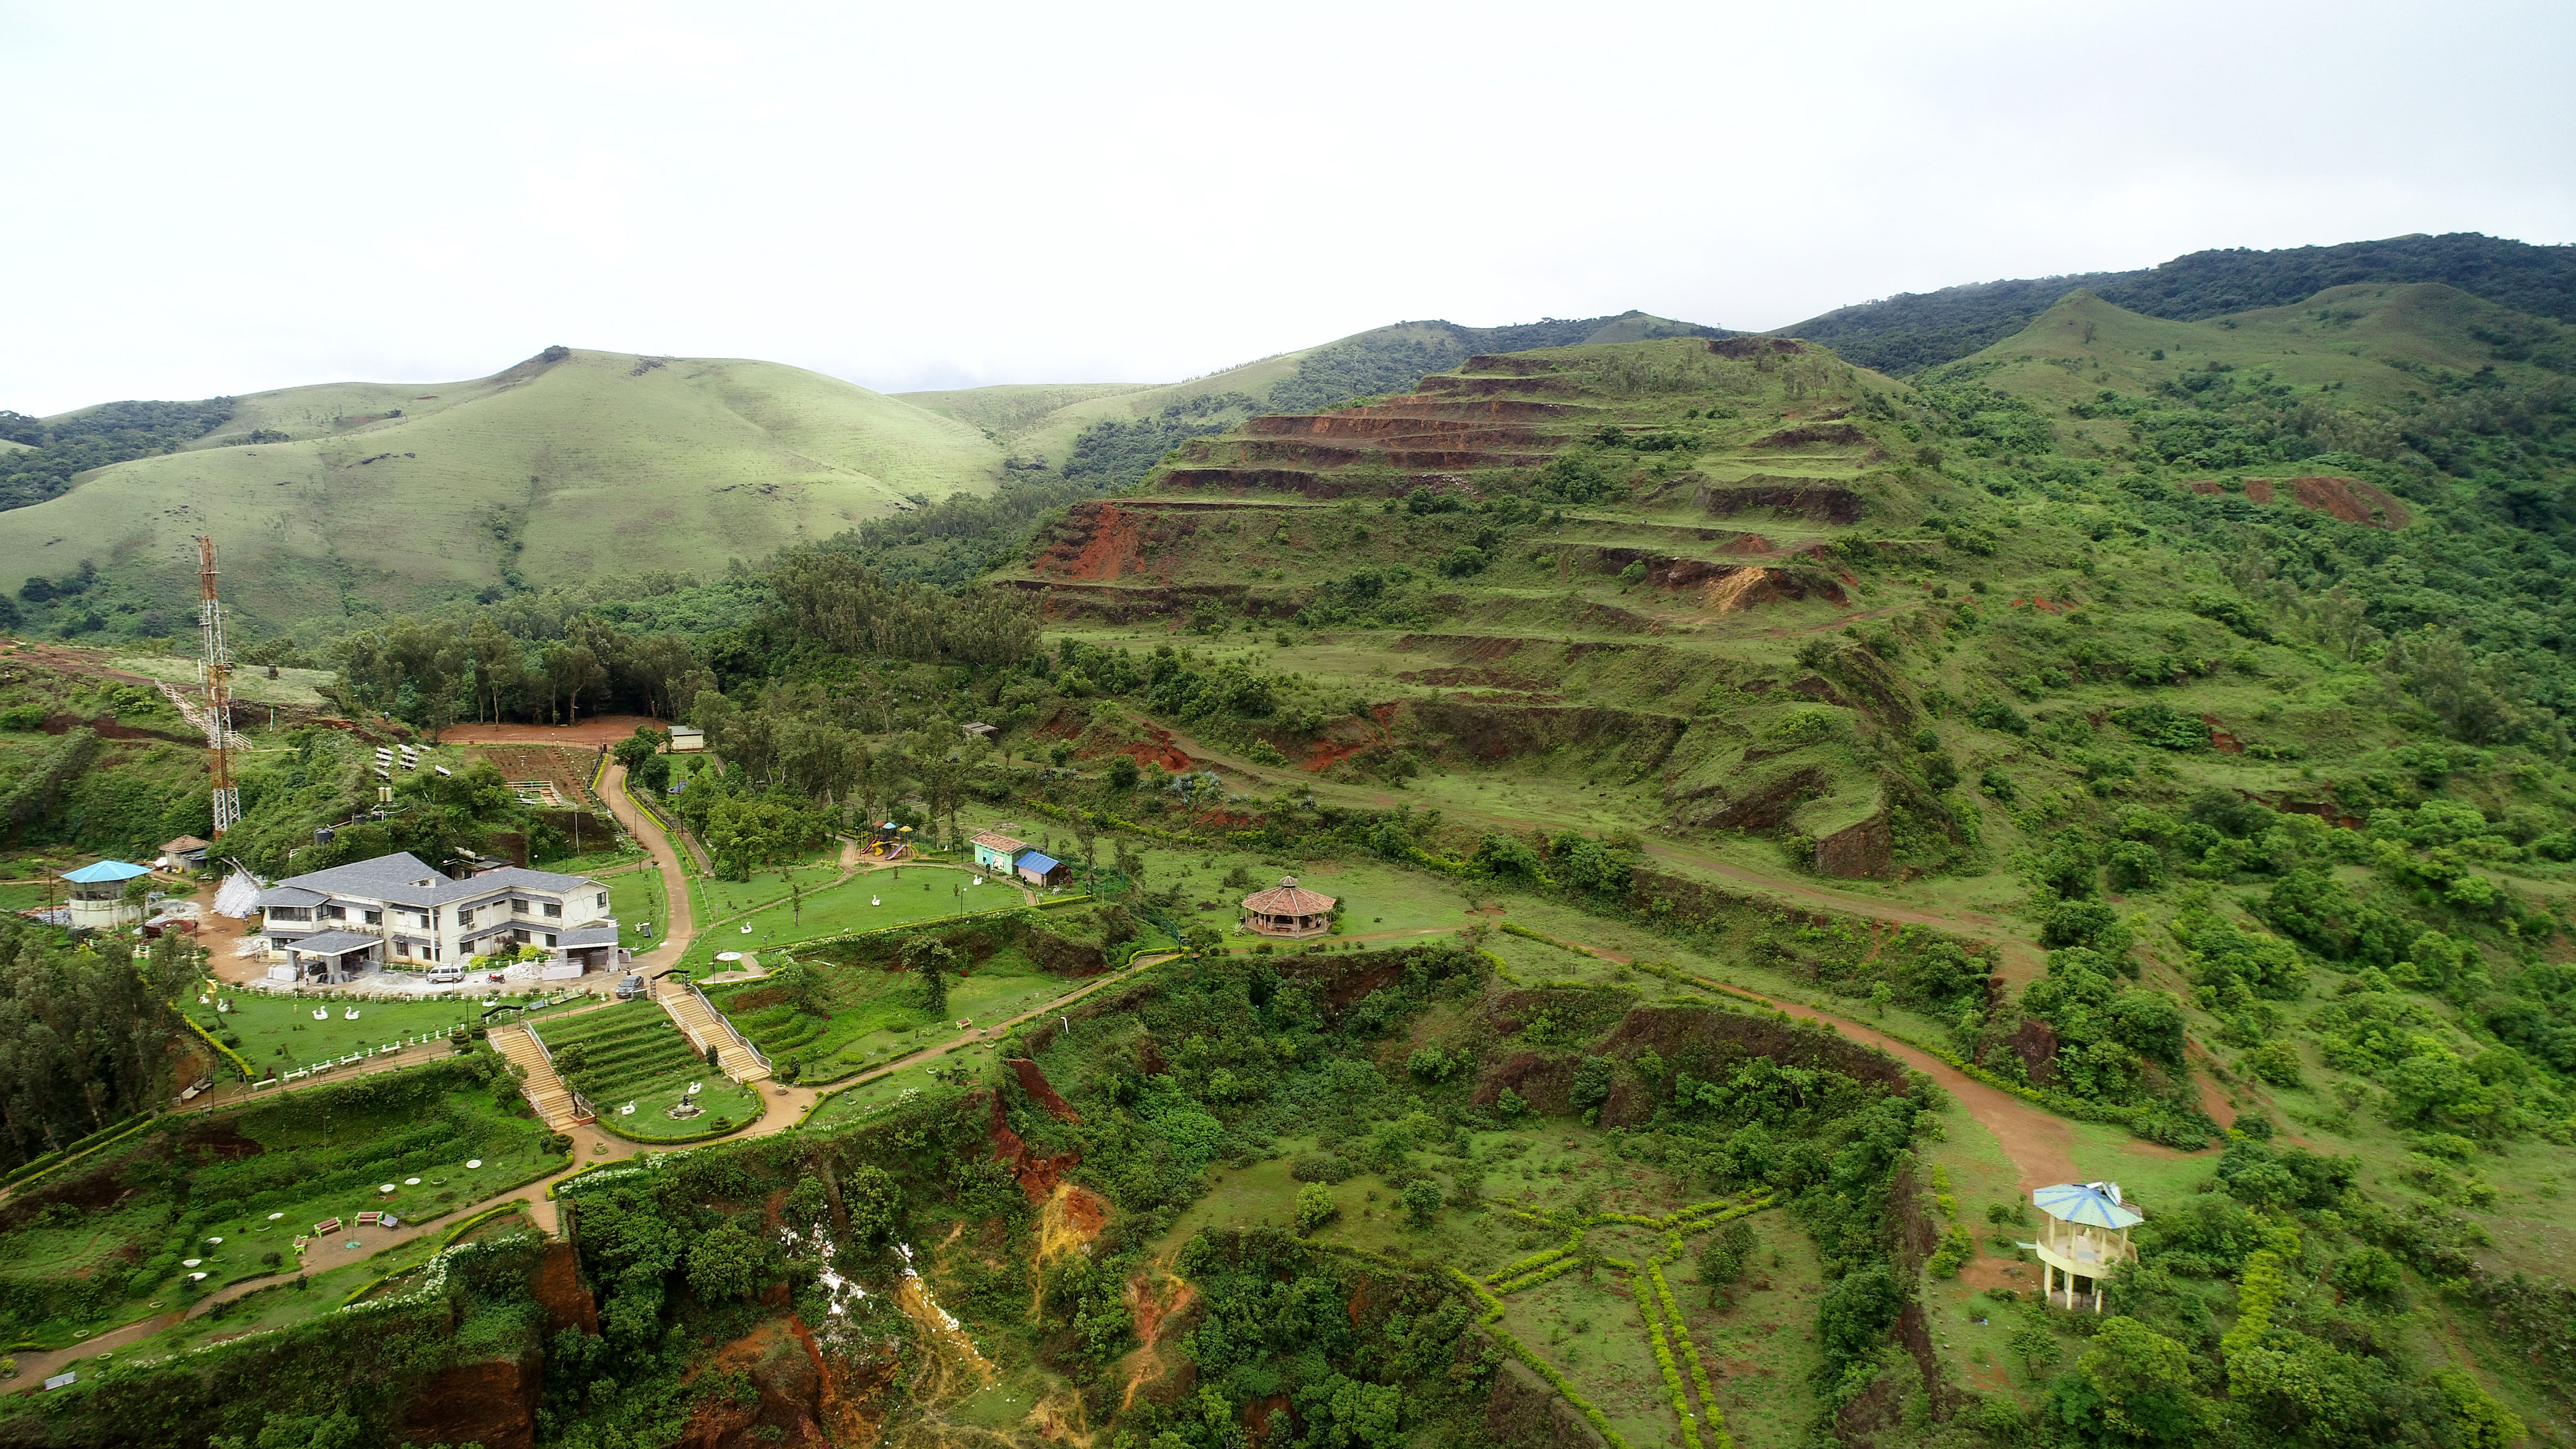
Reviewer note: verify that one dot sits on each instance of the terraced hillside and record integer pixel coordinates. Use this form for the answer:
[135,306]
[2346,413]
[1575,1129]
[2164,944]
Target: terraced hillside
[1563,554]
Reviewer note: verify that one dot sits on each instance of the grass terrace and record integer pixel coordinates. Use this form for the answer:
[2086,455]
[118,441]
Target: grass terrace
[631,1053]
[870,1014]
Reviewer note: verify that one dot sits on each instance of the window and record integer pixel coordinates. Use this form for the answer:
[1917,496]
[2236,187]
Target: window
[518,908]
[554,910]
[334,913]
[601,903]
[465,915]
[375,918]
[550,938]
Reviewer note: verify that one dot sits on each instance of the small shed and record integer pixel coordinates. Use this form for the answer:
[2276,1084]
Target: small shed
[687,739]
[186,854]
[1288,910]
[97,893]
[995,851]
[1040,869]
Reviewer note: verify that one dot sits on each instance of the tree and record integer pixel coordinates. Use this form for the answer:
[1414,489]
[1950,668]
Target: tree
[2034,1344]
[570,669]
[2132,1386]
[1123,773]
[930,960]
[872,1201]
[726,1263]
[1421,1198]
[500,666]
[1315,1207]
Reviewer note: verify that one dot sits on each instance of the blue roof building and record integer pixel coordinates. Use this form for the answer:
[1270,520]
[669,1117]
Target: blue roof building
[1041,869]
[97,892]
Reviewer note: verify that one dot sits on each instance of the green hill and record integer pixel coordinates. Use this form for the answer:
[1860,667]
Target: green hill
[1906,333]
[2367,348]
[591,464]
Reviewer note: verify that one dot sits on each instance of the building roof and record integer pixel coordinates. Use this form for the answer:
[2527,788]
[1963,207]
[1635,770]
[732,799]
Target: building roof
[287,896]
[408,880]
[332,943]
[1038,861]
[588,936]
[688,731]
[979,729]
[104,871]
[993,840]
[1287,899]
[2091,1204]
[183,845]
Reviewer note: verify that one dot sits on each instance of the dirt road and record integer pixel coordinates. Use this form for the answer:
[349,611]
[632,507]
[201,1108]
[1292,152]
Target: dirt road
[681,928]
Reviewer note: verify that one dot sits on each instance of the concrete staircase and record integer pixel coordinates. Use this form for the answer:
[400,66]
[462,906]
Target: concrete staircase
[545,1091]
[703,1026]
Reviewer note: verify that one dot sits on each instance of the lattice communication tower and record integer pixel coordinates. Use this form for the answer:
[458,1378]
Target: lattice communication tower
[216,672]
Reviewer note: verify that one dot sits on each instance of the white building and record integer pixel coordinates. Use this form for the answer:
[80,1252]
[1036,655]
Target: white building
[397,911]
[97,895]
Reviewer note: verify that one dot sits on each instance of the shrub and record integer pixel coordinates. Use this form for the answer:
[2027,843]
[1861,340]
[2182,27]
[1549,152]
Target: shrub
[1315,1207]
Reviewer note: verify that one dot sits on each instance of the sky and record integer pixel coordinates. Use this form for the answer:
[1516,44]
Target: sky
[221,199]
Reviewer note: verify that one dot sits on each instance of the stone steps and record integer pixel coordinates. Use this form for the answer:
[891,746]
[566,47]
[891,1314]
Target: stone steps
[544,1089]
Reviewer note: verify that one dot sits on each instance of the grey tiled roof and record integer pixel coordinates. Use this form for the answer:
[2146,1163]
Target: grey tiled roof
[587,936]
[406,879]
[332,943]
[288,896]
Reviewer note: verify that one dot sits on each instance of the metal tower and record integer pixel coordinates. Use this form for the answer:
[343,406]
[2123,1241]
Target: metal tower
[216,671]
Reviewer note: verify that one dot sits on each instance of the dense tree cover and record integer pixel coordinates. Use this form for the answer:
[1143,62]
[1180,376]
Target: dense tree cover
[1112,453]
[65,447]
[84,1034]
[1905,334]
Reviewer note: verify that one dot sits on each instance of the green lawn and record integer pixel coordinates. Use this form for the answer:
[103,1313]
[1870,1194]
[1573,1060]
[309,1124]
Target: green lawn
[866,902]
[280,1031]
[632,1054]
[875,1015]
[636,899]
[715,899]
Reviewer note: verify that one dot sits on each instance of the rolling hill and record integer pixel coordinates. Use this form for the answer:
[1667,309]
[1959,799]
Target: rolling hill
[1906,333]
[559,469]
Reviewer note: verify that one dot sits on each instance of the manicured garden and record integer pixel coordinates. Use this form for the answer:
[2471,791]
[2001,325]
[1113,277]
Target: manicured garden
[282,1033]
[120,1236]
[634,1065]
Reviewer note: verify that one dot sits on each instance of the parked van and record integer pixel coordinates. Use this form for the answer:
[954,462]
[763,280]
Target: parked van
[450,975]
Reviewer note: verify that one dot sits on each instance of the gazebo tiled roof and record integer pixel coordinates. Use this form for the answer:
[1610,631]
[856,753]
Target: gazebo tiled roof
[996,840]
[1287,899]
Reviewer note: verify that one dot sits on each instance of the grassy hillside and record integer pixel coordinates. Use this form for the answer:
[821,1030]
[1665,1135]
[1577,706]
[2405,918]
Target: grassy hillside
[597,464]
[1906,333]
[2367,347]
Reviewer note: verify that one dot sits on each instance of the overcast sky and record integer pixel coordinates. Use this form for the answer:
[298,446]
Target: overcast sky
[205,199]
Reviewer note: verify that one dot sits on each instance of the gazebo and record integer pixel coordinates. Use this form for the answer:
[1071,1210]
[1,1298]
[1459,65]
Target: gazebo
[1288,911]
[2085,1234]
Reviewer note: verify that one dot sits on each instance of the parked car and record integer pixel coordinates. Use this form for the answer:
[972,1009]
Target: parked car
[630,988]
